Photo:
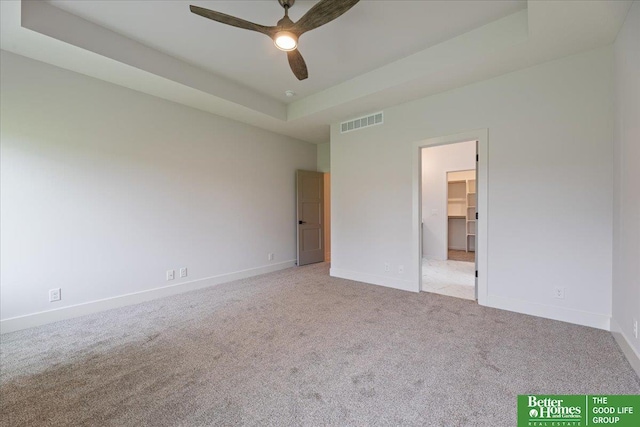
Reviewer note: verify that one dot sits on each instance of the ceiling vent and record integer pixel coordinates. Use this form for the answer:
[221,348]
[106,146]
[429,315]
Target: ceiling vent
[362,122]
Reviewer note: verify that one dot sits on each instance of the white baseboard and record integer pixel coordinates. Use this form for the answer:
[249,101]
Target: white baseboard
[624,343]
[389,282]
[50,316]
[577,317]
[584,318]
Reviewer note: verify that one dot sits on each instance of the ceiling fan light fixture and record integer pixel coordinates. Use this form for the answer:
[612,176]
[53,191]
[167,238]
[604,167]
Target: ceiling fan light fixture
[286,32]
[285,40]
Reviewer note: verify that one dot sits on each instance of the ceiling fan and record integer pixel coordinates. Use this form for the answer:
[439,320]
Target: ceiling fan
[286,33]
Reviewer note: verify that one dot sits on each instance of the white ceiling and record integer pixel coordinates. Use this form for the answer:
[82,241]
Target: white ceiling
[347,47]
[379,54]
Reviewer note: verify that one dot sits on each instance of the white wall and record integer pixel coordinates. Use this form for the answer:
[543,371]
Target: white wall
[104,189]
[436,162]
[626,231]
[550,171]
[324,158]
[324,165]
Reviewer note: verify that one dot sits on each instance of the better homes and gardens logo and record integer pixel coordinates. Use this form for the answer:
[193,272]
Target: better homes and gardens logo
[555,410]
[578,410]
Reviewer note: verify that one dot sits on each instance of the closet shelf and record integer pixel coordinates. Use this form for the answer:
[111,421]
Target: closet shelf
[461,205]
[471,201]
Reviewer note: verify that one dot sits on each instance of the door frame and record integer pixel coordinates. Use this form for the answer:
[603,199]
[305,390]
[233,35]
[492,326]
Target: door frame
[482,266]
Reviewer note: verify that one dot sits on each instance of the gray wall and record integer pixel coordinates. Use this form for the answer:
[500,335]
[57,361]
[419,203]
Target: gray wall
[104,189]
[324,157]
[550,180]
[626,237]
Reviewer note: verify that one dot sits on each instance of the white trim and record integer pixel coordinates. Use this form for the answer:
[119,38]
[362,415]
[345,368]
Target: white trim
[563,314]
[50,316]
[482,136]
[389,282]
[625,345]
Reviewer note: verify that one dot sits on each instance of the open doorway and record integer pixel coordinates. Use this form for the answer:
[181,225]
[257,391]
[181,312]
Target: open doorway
[449,210]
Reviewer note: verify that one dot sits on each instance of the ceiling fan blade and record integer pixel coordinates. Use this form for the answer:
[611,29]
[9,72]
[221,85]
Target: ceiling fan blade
[321,13]
[232,20]
[297,64]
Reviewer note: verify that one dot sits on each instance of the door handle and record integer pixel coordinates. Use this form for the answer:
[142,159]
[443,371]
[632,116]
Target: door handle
[302,222]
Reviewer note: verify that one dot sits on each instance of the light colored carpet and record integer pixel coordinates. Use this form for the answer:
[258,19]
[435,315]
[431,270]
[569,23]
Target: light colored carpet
[297,347]
[455,255]
[451,278]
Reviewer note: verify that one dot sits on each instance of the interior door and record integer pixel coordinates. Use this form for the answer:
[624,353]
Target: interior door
[310,216]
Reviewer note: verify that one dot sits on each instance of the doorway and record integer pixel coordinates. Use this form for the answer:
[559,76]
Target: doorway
[448,218]
[450,205]
[310,217]
[313,217]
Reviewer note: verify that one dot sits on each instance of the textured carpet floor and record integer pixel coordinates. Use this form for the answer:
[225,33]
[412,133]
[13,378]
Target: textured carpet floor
[297,347]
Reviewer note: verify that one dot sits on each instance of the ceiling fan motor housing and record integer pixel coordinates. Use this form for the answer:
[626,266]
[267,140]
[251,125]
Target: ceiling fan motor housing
[286,3]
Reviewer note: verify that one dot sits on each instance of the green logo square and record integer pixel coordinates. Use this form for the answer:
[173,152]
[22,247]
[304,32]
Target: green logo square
[578,410]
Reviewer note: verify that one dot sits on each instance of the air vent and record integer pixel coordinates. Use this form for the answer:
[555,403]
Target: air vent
[361,122]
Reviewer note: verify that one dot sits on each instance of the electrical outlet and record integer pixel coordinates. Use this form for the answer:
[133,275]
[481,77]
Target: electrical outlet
[387,266]
[270,256]
[171,274]
[635,328]
[400,269]
[183,272]
[559,292]
[55,295]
